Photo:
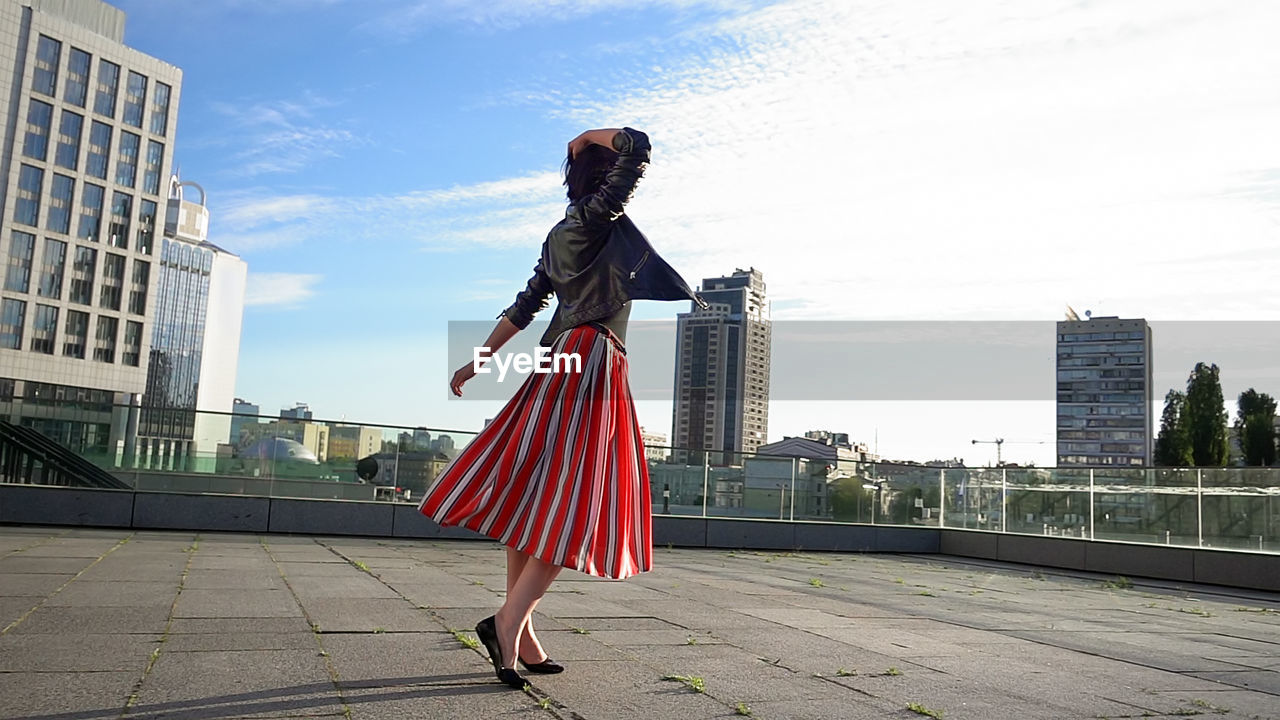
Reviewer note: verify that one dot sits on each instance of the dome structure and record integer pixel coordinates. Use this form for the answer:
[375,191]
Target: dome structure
[280,449]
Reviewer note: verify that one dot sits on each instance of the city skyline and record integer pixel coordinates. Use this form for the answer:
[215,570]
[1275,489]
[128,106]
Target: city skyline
[885,163]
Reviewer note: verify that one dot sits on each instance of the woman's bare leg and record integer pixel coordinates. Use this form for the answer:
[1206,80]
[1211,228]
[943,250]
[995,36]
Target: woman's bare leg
[533,651]
[522,597]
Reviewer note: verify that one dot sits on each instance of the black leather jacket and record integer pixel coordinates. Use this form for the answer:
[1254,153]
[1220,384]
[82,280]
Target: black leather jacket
[596,259]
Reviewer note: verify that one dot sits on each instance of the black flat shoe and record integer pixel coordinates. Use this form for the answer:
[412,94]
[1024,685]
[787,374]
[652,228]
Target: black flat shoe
[488,634]
[546,667]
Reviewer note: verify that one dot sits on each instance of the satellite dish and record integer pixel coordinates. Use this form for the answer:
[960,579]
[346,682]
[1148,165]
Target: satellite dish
[366,468]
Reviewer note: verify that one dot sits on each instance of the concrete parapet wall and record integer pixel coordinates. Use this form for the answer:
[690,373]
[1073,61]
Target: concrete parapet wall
[1235,568]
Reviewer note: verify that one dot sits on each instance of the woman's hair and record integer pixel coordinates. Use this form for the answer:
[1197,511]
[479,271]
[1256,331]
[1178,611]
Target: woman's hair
[584,174]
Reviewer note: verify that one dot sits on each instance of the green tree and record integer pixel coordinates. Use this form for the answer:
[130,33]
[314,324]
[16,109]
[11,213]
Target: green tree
[1255,426]
[850,501]
[1206,417]
[1173,446]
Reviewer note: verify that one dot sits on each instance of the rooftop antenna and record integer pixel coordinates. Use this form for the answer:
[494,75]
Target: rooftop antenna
[1088,314]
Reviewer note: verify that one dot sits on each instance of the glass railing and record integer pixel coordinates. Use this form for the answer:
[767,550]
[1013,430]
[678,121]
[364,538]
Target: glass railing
[1233,508]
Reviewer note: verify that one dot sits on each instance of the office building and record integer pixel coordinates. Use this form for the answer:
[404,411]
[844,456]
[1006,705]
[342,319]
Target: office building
[299,411]
[195,343]
[89,136]
[1104,392]
[722,370]
[655,446]
[352,442]
[242,412]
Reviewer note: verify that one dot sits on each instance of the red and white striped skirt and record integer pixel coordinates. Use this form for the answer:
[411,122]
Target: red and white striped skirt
[560,473]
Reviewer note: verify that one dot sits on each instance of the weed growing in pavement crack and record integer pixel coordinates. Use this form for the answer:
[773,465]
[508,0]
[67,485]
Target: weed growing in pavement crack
[580,631]
[816,582]
[919,709]
[465,639]
[892,671]
[841,672]
[742,709]
[693,682]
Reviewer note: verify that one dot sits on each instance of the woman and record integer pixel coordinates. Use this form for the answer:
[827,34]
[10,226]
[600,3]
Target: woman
[559,475]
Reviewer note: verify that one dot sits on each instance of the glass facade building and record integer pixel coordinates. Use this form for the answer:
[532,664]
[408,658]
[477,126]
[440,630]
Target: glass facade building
[195,340]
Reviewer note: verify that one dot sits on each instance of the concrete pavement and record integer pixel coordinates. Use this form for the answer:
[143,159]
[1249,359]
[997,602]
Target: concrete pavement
[103,624]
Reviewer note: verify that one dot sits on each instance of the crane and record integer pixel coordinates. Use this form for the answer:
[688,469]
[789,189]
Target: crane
[999,442]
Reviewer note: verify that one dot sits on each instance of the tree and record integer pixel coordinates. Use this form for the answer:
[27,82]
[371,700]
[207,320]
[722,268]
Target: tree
[1206,417]
[850,501]
[1255,426]
[1173,446]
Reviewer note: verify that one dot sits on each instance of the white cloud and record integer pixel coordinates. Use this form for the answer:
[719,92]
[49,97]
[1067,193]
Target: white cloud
[989,159]
[281,136]
[279,291]
[412,17]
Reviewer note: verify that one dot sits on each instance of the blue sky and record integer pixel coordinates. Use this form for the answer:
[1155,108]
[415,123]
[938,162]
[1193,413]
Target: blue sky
[385,166]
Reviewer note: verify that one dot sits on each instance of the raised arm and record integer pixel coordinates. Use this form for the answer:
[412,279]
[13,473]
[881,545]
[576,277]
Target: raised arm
[607,204]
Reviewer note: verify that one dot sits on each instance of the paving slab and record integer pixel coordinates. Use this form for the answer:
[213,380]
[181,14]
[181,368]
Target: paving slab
[77,620]
[236,603]
[219,684]
[79,652]
[90,695]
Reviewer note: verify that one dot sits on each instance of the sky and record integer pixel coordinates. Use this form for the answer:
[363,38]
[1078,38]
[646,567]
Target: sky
[388,166]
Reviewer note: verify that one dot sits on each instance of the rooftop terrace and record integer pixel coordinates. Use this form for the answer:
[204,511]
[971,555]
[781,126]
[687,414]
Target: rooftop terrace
[118,623]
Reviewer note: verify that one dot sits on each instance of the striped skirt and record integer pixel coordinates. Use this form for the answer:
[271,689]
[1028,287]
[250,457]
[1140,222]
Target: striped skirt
[560,473]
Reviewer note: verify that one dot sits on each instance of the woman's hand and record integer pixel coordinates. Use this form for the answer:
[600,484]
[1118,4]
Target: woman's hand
[464,373]
[602,136]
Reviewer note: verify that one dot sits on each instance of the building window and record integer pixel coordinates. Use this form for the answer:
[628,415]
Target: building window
[12,314]
[52,265]
[132,344]
[99,149]
[44,329]
[112,281]
[151,173]
[75,334]
[135,95]
[27,209]
[160,109]
[104,102]
[90,212]
[104,350]
[39,119]
[17,277]
[59,219]
[77,87]
[45,79]
[67,154]
[127,159]
[138,290]
[121,209]
[146,226]
[82,270]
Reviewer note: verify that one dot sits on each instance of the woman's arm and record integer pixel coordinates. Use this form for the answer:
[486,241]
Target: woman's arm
[606,204]
[502,332]
[515,318]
